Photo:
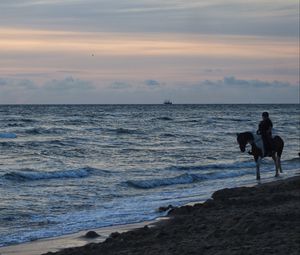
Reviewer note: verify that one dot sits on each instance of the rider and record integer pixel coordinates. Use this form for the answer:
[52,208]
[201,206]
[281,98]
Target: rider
[265,130]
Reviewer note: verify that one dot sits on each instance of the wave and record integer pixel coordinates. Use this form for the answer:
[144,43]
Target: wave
[293,163]
[234,165]
[125,131]
[40,131]
[189,121]
[147,184]
[8,135]
[21,120]
[184,179]
[47,143]
[232,119]
[167,135]
[27,120]
[292,160]
[164,118]
[16,125]
[30,175]
[230,170]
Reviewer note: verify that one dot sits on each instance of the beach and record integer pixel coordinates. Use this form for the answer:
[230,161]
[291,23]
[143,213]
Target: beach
[264,219]
[69,169]
[148,127]
[77,239]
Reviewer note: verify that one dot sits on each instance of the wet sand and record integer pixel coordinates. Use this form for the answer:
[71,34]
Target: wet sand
[67,241]
[264,219]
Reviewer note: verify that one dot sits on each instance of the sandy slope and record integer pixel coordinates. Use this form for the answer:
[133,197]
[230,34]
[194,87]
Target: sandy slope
[264,219]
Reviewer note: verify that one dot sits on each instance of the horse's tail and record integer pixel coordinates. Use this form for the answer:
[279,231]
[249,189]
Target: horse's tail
[278,145]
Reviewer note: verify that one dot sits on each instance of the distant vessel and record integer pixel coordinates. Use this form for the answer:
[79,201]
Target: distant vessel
[168,102]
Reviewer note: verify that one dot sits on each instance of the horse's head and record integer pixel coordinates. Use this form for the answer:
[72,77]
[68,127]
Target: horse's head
[242,141]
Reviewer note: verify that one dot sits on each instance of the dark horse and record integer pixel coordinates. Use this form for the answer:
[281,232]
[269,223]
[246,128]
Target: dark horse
[258,152]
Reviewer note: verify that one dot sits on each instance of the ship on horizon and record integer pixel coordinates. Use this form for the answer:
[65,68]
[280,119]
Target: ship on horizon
[168,102]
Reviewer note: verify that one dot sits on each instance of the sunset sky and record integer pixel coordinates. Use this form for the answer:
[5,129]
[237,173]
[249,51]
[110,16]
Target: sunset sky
[146,51]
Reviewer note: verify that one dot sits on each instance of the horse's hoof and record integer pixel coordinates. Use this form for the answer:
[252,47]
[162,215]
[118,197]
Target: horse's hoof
[276,175]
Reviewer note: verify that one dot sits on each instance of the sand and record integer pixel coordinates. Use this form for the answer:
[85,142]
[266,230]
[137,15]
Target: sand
[73,240]
[264,219]
[256,220]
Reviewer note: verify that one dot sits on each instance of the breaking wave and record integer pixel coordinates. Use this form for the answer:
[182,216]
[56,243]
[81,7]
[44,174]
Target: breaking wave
[234,165]
[184,179]
[28,175]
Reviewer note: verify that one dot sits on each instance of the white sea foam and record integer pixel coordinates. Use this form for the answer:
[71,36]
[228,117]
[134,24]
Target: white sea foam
[184,179]
[34,175]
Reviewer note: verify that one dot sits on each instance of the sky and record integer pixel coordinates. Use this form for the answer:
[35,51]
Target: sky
[147,51]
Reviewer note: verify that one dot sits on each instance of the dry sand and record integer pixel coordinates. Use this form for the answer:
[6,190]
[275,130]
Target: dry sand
[264,219]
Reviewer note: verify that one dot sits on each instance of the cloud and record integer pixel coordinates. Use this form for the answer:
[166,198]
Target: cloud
[70,90]
[68,83]
[17,83]
[67,90]
[14,90]
[119,85]
[3,82]
[27,84]
[152,83]
[212,70]
[256,17]
[235,90]
[233,82]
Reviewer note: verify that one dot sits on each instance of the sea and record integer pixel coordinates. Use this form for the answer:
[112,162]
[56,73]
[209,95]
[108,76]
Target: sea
[67,168]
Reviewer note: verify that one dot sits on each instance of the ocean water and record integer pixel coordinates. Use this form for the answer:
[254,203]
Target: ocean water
[65,168]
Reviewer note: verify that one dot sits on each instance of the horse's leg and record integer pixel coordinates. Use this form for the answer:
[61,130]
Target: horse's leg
[257,161]
[275,158]
[279,164]
[279,144]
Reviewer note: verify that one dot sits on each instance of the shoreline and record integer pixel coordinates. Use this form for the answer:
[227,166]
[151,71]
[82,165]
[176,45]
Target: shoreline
[264,219]
[78,239]
[61,245]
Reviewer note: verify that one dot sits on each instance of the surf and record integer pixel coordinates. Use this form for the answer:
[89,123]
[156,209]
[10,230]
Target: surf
[31,175]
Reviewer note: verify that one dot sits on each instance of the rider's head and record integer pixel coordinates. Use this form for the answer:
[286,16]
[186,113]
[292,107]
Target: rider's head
[265,115]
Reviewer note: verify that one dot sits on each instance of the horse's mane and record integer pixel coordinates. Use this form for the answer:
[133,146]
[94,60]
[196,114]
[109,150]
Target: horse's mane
[249,135]
[257,140]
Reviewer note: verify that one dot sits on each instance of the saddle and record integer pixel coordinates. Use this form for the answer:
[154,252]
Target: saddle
[259,143]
